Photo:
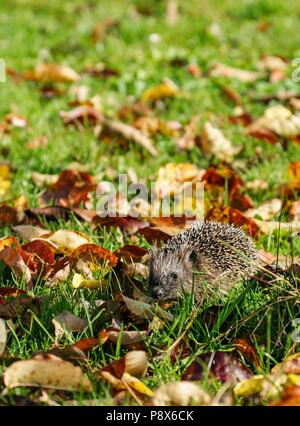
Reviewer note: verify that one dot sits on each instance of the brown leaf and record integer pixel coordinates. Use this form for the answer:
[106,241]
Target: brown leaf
[248,351]
[66,321]
[230,215]
[133,363]
[194,70]
[130,133]
[87,344]
[13,259]
[94,254]
[263,134]
[221,70]
[290,397]
[71,190]
[10,215]
[126,337]
[84,114]
[29,232]
[52,73]
[223,366]
[17,306]
[131,252]
[127,224]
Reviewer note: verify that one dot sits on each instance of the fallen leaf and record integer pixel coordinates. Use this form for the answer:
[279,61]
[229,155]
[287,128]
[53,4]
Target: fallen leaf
[127,337]
[13,259]
[71,190]
[181,393]
[83,114]
[16,306]
[68,241]
[194,70]
[5,179]
[41,179]
[3,336]
[134,269]
[67,322]
[213,142]
[29,232]
[221,70]
[277,119]
[49,373]
[249,386]
[167,89]
[130,133]
[248,351]
[79,281]
[133,363]
[94,255]
[52,73]
[276,66]
[223,366]
[145,310]
[267,210]
[131,252]
[229,215]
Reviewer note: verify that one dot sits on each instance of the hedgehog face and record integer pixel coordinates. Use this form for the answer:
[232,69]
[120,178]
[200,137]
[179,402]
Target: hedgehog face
[169,273]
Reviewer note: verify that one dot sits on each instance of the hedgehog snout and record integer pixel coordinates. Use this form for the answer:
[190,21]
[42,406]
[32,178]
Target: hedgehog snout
[157,292]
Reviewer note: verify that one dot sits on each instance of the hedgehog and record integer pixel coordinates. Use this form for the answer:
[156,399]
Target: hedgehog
[208,258]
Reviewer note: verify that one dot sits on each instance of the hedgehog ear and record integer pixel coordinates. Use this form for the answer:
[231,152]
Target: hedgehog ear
[192,257]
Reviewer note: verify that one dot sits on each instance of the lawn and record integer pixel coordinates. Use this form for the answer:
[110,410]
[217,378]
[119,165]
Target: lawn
[119,50]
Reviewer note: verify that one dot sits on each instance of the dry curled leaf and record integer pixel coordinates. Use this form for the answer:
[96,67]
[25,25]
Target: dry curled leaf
[145,310]
[67,322]
[279,120]
[180,393]
[130,133]
[71,189]
[3,336]
[51,373]
[213,142]
[221,70]
[267,210]
[52,73]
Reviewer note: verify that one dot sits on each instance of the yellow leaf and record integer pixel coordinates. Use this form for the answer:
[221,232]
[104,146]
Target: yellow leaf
[5,179]
[249,386]
[136,384]
[167,89]
[79,281]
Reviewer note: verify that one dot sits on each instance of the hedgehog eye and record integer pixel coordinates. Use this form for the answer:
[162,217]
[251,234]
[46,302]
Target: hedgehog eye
[193,257]
[173,275]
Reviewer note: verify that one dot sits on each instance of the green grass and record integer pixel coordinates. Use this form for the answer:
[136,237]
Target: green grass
[60,31]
